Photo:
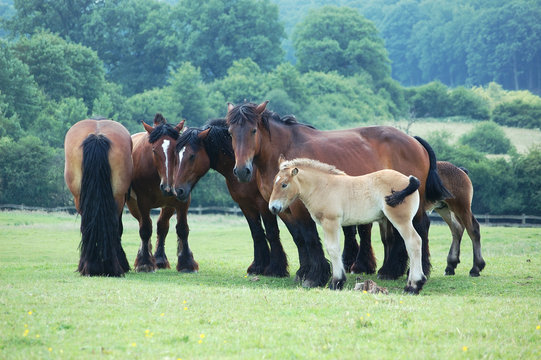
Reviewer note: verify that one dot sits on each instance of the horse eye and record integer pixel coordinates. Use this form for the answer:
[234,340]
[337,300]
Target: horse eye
[284,185]
[192,156]
[254,131]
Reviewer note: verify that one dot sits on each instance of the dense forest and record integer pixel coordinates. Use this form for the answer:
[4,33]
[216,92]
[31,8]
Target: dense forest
[333,64]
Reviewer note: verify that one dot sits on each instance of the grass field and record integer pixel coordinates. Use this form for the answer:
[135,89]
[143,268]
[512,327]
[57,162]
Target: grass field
[49,311]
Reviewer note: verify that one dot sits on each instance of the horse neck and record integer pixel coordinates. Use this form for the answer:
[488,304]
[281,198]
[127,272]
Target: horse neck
[266,159]
[224,164]
[311,186]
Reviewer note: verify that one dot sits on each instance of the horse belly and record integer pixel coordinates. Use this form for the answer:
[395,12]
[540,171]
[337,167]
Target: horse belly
[361,217]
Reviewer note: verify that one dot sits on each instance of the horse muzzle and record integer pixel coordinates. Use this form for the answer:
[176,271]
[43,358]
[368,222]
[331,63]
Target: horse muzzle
[244,173]
[183,192]
[167,190]
[276,207]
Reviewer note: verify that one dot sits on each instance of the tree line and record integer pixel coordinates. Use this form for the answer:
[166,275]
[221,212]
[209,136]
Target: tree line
[67,60]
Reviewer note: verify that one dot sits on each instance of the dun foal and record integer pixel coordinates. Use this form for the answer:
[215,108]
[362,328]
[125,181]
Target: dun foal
[335,199]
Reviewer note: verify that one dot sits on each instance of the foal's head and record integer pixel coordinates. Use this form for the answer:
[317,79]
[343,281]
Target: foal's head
[285,188]
[163,137]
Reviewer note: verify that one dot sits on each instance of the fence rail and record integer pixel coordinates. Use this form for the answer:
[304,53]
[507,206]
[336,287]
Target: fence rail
[484,219]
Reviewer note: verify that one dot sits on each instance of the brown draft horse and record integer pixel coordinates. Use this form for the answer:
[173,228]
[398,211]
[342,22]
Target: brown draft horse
[151,188]
[210,148]
[258,138]
[456,212]
[98,171]
[335,199]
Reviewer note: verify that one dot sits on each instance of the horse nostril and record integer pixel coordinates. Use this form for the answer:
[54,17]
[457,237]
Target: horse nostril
[180,191]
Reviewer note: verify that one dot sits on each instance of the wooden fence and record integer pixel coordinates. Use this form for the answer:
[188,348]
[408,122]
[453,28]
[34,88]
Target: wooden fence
[484,220]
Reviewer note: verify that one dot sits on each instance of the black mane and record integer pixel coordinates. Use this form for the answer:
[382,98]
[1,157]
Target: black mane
[163,129]
[218,140]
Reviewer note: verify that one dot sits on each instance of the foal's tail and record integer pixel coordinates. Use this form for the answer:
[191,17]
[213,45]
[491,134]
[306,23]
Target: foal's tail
[100,221]
[397,197]
[434,188]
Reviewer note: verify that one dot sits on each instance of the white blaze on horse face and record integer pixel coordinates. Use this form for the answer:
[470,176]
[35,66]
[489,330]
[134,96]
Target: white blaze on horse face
[180,155]
[277,179]
[165,147]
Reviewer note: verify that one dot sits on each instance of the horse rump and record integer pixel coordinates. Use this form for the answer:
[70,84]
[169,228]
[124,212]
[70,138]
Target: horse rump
[397,197]
[101,252]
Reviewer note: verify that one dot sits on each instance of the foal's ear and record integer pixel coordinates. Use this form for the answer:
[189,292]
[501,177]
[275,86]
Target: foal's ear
[294,172]
[261,107]
[203,134]
[147,127]
[281,159]
[180,125]
[230,107]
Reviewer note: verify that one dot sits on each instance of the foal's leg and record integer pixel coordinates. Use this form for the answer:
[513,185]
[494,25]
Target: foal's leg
[162,230]
[413,242]
[185,261]
[457,230]
[278,265]
[331,229]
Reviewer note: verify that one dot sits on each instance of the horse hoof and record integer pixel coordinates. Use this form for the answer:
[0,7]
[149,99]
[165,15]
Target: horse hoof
[145,268]
[308,284]
[188,271]
[163,265]
[449,271]
[474,273]
[336,285]
[411,290]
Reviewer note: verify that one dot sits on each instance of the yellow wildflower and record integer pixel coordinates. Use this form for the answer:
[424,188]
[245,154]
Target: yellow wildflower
[464,348]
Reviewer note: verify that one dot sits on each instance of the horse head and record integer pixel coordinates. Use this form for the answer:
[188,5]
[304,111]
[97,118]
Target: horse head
[245,123]
[163,137]
[193,162]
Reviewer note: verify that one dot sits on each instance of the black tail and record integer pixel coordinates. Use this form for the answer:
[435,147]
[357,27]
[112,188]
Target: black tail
[434,189]
[397,197]
[100,223]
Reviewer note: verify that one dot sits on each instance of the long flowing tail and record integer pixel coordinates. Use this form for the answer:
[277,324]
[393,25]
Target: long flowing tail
[100,231]
[397,197]
[434,189]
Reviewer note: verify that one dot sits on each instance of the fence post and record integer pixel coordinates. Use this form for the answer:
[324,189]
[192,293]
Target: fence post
[523,219]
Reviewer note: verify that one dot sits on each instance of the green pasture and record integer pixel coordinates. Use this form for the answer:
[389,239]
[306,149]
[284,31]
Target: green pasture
[47,310]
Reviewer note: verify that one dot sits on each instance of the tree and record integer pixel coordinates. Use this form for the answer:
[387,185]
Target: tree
[212,34]
[62,69]
[487,137]
[340,39]
[528,176]
[136,39]
[19,92]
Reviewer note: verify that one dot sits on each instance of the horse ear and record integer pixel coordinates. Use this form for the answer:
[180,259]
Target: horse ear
[147,127]
[180,125]
[281,159]
[261,107]
[159,119]
[203,134]
[294,172]
[230,107]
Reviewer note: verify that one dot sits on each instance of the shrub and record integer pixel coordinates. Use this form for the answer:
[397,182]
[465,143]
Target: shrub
[518,113]
[467,103]
[430,100]
[487,137]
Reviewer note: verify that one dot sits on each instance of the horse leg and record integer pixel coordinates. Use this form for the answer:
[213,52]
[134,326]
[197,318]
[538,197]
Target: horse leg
[145,262]
[278,265]
[261,248]
[319,269]
[421,223]
[365,261]
[162,230]
[121,254]
[472,227]
[457,230]
[351,248]
[185,261]
[298,239]
[331,229]
[396,257]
